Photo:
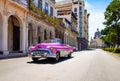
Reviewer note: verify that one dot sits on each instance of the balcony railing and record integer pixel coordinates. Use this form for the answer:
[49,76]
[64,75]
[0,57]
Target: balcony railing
[43,15]
[73,30]
[22,2]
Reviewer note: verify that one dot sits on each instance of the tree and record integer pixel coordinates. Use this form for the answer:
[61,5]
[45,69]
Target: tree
[112,17]
[109,36]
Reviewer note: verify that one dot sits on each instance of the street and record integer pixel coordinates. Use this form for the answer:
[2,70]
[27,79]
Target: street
[90,65]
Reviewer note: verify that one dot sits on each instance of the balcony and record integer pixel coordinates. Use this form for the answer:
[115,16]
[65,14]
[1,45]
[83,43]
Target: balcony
[22,2]
[74,30]
[43,15]
[38,12]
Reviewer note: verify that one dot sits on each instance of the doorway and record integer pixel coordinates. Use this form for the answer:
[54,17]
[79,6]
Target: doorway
[16,38]
[38,35]
[13,34]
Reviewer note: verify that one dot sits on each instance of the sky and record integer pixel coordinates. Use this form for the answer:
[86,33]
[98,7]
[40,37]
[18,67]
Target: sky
[96,8]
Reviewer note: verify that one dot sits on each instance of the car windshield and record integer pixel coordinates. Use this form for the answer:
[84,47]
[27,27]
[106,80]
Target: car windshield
[56,41]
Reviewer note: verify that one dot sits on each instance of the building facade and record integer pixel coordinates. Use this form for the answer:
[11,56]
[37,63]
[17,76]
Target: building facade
[64,11]
[83,17]
[24,23]
[96,42]
[77,7]
[21,27]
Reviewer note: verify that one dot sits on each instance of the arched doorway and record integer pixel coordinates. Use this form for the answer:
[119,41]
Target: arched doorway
[30,35]
[50,35]
[1,25]
[38,35]
[13,34]
[56,33]
[45,35]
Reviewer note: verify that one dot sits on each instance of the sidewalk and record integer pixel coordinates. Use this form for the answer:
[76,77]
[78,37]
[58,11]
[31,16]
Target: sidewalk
[13,55]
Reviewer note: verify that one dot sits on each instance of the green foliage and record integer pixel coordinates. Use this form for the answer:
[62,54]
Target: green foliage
[112,13]
[112,17]
[114,50]
[105,31]
[109,36]
[108,49]
[112,37]
[41,14]
[36,10]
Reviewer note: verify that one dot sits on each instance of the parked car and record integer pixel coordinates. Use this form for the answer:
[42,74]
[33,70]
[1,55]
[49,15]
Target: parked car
[75,49]
[54,49]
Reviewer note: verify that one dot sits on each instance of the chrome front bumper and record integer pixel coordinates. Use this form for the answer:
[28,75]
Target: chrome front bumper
[41,54]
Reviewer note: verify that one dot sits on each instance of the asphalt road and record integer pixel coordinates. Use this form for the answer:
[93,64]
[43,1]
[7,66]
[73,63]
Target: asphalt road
[91,65]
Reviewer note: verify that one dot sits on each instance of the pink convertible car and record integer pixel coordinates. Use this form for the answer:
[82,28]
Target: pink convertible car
[54,49]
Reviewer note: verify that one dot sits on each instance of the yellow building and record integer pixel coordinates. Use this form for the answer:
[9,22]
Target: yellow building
[23,24]
[21,27]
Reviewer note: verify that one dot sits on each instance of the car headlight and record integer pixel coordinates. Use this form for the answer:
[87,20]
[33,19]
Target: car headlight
[51,48]
[32,53]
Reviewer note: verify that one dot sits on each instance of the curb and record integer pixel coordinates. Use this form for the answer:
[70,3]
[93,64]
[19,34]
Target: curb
[16,55]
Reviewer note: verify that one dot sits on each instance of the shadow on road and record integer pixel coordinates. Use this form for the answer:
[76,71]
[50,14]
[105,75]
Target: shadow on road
[49,61]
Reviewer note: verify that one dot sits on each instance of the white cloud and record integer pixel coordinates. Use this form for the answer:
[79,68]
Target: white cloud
[58,0]
[96,19]
[87,5]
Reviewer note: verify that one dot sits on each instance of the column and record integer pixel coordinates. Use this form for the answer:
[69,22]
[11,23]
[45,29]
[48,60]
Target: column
[48,34]
[42,34]
[34,36]
[5,36]
[23,38]
[26,35]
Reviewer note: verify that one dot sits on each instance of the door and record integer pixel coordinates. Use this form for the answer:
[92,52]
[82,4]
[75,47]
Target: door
[16,38]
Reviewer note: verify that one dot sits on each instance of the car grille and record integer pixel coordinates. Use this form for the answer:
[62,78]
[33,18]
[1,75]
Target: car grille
[39,52]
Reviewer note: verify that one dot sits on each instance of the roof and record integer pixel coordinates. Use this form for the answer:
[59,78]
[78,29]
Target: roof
[63,4]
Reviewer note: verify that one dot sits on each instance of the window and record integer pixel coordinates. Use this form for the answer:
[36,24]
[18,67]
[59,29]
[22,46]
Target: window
[51,11]
[75,9]
[24,2]
[75,14]
[80,14]
[80,19]
[35,3]
[80,34]
[40,4]
[80,29]
[46,8]
[80,25]
[80,8]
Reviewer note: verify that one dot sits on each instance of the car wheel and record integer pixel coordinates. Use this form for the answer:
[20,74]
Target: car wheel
[35,59]
[69,55]
[57,56]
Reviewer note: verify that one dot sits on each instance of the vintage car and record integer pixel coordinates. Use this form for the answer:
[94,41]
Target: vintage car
[54,49]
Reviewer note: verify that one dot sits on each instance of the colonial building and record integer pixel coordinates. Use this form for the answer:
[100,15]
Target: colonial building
[77,7]
[27,22]
[96,42]
[64,11]
[22,26]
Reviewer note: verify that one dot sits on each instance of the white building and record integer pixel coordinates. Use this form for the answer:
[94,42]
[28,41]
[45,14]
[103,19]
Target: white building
[77,7]
[96,42]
